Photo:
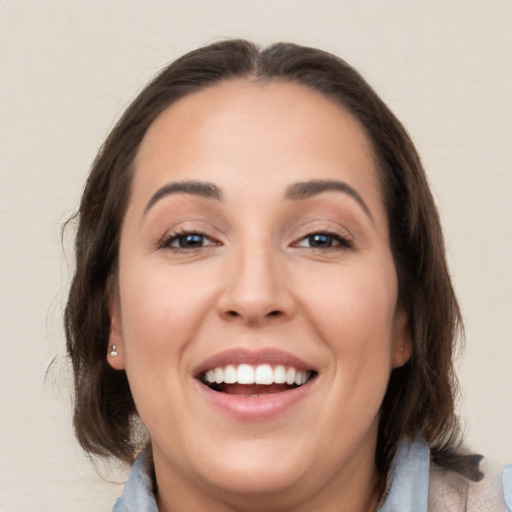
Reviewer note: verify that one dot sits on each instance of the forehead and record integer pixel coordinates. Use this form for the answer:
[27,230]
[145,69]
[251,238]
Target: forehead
[272,133]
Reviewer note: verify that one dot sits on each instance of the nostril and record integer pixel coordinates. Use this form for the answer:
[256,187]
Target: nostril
[274,313]
[232,313]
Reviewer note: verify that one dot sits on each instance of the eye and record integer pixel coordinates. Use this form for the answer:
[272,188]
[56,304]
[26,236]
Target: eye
[187,241]
[324,241]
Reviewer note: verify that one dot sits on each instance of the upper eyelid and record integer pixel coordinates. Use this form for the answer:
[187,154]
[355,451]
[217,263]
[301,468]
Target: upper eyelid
[322,226]
[192,226]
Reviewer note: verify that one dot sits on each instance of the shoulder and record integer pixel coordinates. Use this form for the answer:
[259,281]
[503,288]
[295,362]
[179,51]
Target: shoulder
[449,491]
[417,483]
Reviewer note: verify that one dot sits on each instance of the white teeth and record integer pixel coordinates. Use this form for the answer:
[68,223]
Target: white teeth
[219,375]
[262,374]
[300,378]
[290,376]
[230,374]
[245,374]
[279,375]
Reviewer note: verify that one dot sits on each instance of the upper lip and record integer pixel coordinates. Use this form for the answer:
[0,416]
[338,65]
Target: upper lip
[238,356]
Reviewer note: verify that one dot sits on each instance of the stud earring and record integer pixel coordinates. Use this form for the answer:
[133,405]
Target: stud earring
[401,349]
[113,351]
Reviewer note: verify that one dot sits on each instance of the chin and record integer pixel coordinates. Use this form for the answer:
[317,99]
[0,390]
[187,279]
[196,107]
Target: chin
[258,468]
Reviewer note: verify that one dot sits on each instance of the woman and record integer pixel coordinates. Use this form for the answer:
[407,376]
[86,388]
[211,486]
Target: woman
[261,281]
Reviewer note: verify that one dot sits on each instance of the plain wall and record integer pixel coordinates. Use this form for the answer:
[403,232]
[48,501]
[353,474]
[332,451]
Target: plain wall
[69,68]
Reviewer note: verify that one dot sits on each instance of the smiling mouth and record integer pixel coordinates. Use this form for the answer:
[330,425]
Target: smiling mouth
[255,380]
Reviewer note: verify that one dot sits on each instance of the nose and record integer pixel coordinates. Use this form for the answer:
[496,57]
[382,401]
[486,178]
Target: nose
[255,289]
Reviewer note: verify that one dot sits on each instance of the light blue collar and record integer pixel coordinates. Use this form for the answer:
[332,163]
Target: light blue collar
[408,484]
[138,490]
[506,480]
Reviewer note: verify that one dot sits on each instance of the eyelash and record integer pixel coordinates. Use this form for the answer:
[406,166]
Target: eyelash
[179,235]
[340,242]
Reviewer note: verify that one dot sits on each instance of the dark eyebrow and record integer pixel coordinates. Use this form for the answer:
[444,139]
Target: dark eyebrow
[196,188]
[307,189]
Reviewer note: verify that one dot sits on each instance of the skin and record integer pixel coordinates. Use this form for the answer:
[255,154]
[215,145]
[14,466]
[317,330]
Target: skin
[257,282]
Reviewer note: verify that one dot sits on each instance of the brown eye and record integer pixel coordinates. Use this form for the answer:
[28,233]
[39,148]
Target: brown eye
[320,240]
[188,241]
[323,241]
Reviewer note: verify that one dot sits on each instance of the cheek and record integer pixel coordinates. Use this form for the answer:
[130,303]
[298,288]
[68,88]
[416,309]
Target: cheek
[161,310]
[355,309]
[355,318]
[162,307]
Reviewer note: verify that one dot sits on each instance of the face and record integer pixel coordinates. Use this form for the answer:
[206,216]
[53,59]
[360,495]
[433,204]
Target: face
[256,313]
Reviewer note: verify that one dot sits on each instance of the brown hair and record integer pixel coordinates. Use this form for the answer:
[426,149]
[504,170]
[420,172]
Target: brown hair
[420,397]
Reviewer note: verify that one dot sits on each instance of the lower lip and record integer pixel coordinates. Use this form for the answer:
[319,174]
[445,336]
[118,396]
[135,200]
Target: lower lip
[255,408]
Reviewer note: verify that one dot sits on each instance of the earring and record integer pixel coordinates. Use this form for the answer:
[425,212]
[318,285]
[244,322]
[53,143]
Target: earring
[401,349]
[113,351]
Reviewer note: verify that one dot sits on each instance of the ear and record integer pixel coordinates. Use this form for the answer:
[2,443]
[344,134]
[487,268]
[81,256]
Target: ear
[115,350]
[402,344]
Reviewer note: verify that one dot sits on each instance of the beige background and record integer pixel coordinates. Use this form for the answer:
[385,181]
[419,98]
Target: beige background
[68,69]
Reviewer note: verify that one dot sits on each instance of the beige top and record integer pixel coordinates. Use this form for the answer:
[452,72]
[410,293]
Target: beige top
[416,484]
[451,492]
